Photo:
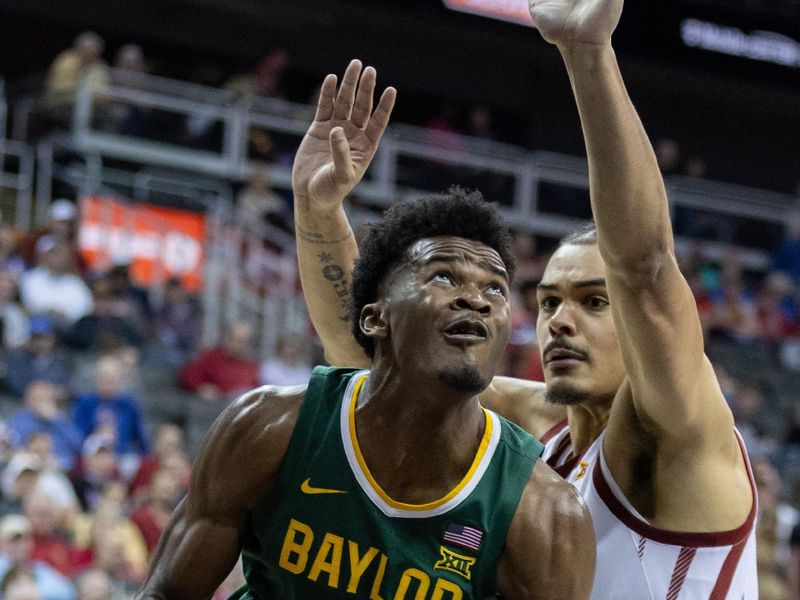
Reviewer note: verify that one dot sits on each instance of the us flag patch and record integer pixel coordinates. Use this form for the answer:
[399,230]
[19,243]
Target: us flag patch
[464,536]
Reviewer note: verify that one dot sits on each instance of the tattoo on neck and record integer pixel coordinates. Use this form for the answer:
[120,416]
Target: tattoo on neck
[314,237]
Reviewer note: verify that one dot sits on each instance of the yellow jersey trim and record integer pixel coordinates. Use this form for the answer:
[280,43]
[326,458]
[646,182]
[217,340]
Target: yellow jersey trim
[482,447]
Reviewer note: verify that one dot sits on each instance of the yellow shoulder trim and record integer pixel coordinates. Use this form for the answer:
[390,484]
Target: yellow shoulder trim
[483,446]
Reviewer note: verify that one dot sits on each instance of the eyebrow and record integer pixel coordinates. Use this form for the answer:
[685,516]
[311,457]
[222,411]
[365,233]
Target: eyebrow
[585,283]
[448,258]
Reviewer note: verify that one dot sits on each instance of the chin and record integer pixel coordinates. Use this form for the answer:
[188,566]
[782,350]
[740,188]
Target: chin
[565,394]
[464,378]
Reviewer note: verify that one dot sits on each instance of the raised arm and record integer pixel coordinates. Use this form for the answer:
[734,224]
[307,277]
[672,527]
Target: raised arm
[236,467]
[655,315]
[550,547]
[331,160]
[671,402]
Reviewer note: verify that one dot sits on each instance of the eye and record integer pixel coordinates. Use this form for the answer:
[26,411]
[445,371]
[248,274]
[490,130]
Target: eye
[548,303]
[443,277]
[596,302]
[497,288]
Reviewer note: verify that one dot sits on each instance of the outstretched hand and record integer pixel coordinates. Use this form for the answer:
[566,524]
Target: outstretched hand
[343,139]
[574,22]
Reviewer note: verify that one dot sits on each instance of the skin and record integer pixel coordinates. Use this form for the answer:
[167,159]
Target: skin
[440,282]
[621,303]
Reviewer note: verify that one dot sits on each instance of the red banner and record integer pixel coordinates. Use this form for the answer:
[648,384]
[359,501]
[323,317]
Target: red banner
[515,11]
[157,242]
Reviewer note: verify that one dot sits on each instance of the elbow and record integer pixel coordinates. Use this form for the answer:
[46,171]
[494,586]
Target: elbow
[642,268]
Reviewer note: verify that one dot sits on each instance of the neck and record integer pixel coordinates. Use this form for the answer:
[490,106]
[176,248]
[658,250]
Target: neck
[418,437]
[586,422]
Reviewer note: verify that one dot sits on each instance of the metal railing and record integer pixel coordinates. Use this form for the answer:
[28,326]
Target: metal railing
[519,174]
[409,161]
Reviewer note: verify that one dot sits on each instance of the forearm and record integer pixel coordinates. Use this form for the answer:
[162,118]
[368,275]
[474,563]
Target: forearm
[628,199]
[326,252]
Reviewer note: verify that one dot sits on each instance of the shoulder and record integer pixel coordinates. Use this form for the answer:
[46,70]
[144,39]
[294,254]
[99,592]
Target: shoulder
[553,524]
[245,447]
[522,402]
[548,497]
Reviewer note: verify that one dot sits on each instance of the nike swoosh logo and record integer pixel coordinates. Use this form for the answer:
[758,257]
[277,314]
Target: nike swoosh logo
[307,488]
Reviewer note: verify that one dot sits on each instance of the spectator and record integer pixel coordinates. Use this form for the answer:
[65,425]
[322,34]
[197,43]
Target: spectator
[129,69]
[16,545]
[696,167]
[290,364]
[70,67]
[53,288]
[168,453]
[14,320]
[62,227]
[131,301]
[110,323]
[733,314]
[787,255]
[50,544]
[41,414]
[10,258]
[523,356]
[777,308]
[266,80]
[668,155]
[770,583]
[479,122]
[91,531]
[95,584]
[20,585]
[177,323]
[51,480]
[19,481]
[257,204]
[39,360]
[108,408]
[163,497]
[97,470]
[224,371]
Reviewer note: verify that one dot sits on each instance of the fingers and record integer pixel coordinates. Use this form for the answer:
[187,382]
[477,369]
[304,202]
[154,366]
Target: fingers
[363,105]
[327,95]
[343,172]
[380,118]
[347,91]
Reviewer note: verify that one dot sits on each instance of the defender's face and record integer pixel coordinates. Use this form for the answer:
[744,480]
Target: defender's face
[577,338]
[447,311]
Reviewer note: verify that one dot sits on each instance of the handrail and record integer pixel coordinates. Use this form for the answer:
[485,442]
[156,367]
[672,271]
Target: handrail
[525,170]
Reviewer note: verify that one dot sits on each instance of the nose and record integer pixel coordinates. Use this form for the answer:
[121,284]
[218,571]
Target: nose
[562,322]
[470,298]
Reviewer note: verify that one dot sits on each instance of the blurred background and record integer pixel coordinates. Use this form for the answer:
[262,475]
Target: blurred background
[147,266]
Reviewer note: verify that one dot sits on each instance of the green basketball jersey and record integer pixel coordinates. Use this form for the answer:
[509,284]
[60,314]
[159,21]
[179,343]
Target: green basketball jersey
[330,531]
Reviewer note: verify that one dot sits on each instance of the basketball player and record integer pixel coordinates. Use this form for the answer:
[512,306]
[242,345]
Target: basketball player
[649,440]
[393,482]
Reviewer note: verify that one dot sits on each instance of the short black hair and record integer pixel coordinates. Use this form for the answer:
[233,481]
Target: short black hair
[457,212]
[584,235]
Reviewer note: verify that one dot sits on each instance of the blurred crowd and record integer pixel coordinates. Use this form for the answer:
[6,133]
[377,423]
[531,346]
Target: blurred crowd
[90,468]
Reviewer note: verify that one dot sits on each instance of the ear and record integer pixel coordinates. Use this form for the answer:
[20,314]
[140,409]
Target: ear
[372,322]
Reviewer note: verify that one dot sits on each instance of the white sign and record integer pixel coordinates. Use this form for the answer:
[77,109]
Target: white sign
[765,46]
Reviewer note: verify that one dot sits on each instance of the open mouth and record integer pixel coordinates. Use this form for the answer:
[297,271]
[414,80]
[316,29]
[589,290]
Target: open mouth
[466,330]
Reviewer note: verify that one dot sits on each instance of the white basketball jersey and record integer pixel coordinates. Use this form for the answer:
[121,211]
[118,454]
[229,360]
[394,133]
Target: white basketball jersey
[636,561]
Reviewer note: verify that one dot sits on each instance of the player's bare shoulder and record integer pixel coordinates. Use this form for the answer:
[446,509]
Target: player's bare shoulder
[244,448]
[550,547]
[522,402]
